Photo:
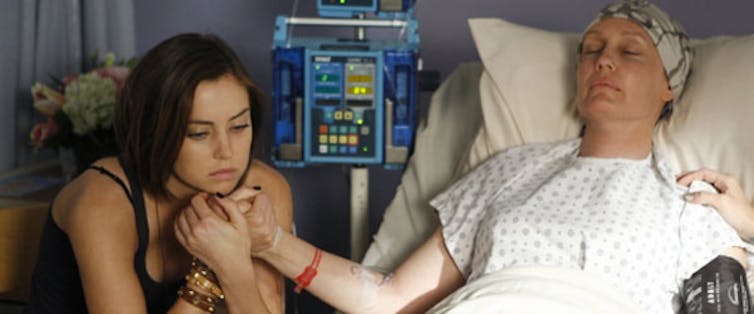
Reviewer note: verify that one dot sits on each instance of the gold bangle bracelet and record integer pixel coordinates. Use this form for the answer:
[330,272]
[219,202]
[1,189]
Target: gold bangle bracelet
[202,268]
[201,281]
[203,302]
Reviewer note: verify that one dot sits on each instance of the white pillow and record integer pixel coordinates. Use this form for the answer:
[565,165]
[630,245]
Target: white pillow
[711,125]
[529,83]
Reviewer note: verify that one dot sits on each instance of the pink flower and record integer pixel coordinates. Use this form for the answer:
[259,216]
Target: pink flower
[43,131]
[81,99]
[70,78]
[47,100]
[117,73]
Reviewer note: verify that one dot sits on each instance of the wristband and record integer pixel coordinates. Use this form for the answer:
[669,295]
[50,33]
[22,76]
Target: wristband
[305,278]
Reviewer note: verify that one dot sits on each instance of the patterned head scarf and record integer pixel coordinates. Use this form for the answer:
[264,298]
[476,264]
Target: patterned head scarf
[670,39]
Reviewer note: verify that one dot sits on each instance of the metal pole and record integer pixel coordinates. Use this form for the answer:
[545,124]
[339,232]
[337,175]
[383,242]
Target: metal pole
[359,212]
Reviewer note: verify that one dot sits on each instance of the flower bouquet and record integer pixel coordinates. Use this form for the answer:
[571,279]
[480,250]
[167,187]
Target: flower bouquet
[78,112]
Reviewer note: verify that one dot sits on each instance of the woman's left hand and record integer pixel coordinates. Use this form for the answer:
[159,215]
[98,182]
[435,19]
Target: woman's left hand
[731,202]
[210,237]
[258,210]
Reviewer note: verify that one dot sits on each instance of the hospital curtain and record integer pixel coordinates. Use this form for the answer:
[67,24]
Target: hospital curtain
[44,38]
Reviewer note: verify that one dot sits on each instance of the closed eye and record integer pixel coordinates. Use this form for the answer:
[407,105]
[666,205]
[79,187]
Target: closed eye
[591,49]
[240,127]
[197,135]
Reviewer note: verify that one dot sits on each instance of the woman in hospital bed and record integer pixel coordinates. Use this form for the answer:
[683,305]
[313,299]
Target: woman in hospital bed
[605,203]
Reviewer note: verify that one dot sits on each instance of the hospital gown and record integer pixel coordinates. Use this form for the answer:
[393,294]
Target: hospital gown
[622,219]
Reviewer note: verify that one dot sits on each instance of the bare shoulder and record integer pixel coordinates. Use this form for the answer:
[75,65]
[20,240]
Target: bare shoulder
[94,203]
[96,214]
[276,187]
[263,174]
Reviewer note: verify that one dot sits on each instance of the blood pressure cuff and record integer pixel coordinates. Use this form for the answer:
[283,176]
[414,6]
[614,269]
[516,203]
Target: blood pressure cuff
[718,287]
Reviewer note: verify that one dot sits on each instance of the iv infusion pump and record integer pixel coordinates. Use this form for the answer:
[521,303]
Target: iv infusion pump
[346,101]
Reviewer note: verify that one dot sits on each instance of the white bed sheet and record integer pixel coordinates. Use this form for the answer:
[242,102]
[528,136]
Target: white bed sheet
[535,290]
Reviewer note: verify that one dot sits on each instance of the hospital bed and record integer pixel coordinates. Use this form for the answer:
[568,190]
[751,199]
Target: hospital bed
[521,92]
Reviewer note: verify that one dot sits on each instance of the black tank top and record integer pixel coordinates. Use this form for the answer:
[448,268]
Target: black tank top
[56,285]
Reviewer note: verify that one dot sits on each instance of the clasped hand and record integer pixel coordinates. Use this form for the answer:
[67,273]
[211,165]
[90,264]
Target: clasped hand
[222,229]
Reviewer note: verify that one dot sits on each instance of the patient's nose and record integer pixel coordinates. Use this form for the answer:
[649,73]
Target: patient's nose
[605,61]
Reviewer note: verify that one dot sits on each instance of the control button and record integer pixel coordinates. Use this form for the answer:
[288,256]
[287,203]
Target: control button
[352,150]
[323,129]
[333,149]
[353,140]
[328,117]
[343,129]
[365,130]
[343,149]
[323,149]
[352,129]
[348,116]
[342,139]
[333,139]
[338,115]
[333,129]
[323,139]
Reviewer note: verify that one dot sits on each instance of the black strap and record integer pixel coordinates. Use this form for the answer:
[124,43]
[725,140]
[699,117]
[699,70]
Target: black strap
[136,199]
[140,210]
[159,296]
[115,178]
[162,294]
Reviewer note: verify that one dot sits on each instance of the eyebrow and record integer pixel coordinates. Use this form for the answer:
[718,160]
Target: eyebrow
[211,123]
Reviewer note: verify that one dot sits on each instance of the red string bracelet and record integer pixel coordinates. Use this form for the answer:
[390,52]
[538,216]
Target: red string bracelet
[303,280]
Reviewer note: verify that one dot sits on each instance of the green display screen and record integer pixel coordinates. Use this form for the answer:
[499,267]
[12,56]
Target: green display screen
[327,78]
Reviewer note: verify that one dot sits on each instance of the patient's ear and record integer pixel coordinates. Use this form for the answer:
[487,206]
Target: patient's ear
[667,95]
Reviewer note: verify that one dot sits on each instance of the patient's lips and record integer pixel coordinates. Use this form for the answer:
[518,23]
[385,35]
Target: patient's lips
[604,83]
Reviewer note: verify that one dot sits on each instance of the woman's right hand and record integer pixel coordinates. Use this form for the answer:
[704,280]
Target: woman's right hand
[256,206]
[208,236]
[731,202]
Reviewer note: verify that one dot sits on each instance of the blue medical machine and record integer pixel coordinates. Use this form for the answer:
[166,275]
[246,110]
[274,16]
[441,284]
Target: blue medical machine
[347,100]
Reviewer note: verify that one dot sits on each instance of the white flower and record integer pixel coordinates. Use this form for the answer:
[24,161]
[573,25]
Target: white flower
[108,60]
[90,102]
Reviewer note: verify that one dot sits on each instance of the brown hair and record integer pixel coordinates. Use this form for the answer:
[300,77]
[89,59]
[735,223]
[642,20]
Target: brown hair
[153,110]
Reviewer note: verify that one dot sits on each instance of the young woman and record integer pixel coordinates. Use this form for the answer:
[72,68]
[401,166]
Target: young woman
[597,204]
[185,125]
